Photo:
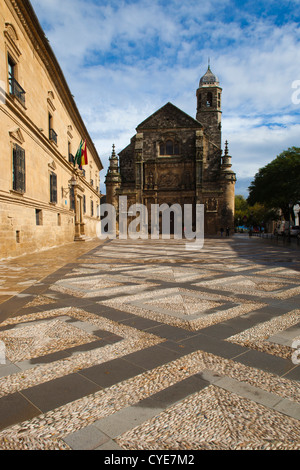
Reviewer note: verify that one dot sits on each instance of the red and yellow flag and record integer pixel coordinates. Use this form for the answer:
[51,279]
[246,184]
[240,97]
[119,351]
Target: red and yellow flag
[84,158]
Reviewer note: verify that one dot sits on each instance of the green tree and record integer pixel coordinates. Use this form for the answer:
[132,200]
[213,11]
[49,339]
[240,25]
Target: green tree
[277,185]
[257,215]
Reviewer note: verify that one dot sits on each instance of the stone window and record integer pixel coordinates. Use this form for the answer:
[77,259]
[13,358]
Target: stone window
[38,217]
[169,148]
[52,133]
[19,169]
[72,199]
[209,99]
[53,188]
[92,208]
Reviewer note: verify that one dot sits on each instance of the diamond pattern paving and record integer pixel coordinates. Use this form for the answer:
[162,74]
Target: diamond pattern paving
[146,345]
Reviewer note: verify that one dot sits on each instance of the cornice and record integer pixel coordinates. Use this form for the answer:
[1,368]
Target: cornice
[35,33]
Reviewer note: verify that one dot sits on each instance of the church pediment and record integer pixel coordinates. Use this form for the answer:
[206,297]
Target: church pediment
[169,117]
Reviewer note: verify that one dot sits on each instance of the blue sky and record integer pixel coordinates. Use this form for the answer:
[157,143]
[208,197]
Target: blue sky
[123,60]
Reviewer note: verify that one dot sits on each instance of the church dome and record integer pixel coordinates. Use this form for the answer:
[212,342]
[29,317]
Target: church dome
[209,78]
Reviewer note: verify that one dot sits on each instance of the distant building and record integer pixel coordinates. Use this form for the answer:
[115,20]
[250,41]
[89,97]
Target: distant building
[45,200]
[176,159]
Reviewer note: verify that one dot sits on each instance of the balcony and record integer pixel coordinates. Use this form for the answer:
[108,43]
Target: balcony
[16,90]
[53,135]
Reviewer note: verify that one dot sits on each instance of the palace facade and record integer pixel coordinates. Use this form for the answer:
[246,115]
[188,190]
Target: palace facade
[45,199]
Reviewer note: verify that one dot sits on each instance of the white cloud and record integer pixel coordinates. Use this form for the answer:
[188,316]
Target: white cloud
[123,61]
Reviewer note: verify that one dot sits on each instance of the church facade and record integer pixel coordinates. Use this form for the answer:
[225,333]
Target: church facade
[176,159]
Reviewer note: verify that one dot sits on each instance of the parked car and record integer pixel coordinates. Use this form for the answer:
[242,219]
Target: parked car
[295,230]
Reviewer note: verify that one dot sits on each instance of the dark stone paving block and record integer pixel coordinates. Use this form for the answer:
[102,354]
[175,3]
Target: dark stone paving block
[61,391]
[293,374]
[213,346]
[175,393]
[152,357]
[266,362]
[111,372]
[13,305]
[107,312]
[171,332]
[220,331]
[15,409]
[63,354]
[140,323]
[179,348]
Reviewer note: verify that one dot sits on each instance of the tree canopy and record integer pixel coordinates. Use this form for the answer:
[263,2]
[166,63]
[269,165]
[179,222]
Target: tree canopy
[257,215]
[277,185]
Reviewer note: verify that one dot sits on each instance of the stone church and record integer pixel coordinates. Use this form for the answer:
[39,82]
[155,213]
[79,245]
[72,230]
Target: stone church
[176,159]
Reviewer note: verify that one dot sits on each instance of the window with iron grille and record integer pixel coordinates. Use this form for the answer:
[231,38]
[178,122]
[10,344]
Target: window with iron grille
[15,88]
[92,208]
[19,169]
[53,188]
[72,199]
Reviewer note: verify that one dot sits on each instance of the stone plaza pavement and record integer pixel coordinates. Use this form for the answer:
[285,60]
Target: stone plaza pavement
[144,345]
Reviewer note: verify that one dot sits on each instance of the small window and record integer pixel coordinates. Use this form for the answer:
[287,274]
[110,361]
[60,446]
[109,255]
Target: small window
[92,208]
[19,169]
[84,204]
[199,101]
[52,133]
[18,237]
[15,88]
[169,147]
[38,217]
[72,199]
[53,188]
[70,155]
[209,100]
[11,74]
[59,220]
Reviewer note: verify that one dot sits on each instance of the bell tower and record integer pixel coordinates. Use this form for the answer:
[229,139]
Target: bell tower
[209,106]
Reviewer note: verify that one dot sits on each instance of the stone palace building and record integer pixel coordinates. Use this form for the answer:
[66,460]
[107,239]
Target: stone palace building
[176,159]
[45,199]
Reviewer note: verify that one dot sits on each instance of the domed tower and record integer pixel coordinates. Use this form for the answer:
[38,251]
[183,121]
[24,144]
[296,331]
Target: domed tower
[113,180]
[209,106]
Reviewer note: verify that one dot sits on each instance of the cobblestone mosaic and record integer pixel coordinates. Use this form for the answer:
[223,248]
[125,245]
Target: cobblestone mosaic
[155,347]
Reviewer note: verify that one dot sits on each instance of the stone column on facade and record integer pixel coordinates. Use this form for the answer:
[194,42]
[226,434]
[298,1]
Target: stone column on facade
[79,225]
[82,224]
[113,184]
[138,151]
[228,178]
[199,163]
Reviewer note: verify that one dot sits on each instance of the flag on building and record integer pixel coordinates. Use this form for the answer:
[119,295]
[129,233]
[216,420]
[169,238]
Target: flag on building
[81,155]
[84,159]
